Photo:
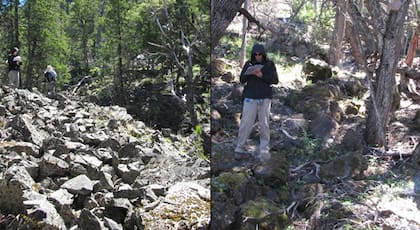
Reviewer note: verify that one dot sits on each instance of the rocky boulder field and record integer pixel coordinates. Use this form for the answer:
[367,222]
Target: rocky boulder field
[67,164]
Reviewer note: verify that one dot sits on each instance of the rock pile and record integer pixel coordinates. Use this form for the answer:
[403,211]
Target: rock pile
[74,165]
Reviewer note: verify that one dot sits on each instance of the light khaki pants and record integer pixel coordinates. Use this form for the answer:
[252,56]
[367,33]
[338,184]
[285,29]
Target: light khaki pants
[13,78]
[252,108]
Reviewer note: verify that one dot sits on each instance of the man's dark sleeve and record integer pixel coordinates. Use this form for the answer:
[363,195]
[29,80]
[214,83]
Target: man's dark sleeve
[269,72]
[243,77]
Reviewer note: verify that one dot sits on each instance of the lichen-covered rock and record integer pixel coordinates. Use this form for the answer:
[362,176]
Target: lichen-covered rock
[183,205]
[262,213]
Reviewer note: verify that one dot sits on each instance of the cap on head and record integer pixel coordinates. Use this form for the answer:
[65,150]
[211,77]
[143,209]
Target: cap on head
[49,68]
[14,49]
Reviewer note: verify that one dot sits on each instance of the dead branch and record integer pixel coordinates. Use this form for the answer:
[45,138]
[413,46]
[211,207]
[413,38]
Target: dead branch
[251,18]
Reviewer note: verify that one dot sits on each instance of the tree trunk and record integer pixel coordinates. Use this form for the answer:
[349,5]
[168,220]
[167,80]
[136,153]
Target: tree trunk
[384,86]
[412,48]
[334,54]
[16,24]
[222,14]
[354,44]
[190,90]
[244,32]
[118,78]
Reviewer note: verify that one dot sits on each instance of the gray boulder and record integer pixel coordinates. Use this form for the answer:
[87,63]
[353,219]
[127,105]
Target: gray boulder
[20,147]
[15,182]
[42,210]
[26,131]
[88,221]
[53,166]
[79,185]
[119,209]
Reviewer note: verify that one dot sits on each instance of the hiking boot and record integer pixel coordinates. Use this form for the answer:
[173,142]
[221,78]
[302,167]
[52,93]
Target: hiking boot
[264,156]
[241,153]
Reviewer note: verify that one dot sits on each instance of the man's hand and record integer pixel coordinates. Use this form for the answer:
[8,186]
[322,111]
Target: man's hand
[258,73]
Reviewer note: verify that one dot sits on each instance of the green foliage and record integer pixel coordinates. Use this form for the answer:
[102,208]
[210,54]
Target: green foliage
[312,146]
[320,18]
[307,13]
[198,130]
[198,142]
[234,45]
[43,41]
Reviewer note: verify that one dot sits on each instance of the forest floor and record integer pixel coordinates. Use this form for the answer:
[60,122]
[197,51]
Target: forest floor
[386,193]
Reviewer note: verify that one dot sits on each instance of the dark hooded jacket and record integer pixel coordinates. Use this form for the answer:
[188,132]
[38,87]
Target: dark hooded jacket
[13,65]
[259,88]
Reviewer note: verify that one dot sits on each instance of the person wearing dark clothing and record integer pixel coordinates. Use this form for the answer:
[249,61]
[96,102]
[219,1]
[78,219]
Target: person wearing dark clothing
[258,74]
[50,79]
[14,61]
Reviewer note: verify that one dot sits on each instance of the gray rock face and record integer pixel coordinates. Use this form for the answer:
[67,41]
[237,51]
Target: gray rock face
[62,197]
[44,211]
[81,185]
[88,221]
[12,186]
[26,131]
[19,147]
[75,165]
[53,166]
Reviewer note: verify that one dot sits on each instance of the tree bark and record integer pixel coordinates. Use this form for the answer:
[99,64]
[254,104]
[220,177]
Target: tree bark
[384,86]
[334,54]
[244,32]
[190,89]
[16,24]
[222,14]
[362,29]
[414,43]
[354,41]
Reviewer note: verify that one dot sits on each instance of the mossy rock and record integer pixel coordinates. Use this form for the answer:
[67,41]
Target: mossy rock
[332,214]
[274,172]
[314,99]
[350,165]
[231,180]
[218,67]
[317,70]
[235,186]
[264,213]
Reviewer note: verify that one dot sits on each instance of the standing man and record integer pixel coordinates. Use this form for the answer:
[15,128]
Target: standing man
[259,74]
[14,61]
[50,78]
